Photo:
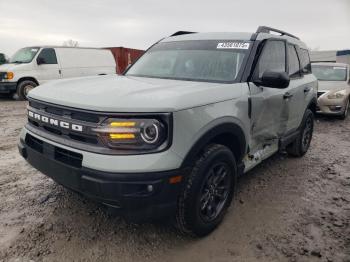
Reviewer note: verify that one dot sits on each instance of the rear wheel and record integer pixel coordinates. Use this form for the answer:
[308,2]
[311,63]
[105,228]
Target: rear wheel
[23,89]
[207,192]
[346,111]
[302,143]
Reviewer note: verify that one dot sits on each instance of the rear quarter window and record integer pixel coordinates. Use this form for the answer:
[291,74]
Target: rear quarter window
[305,61]
[293,62]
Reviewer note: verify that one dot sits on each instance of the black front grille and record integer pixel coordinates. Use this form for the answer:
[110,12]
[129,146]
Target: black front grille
[81,137]
[74,116]
[59,154]
[63,111]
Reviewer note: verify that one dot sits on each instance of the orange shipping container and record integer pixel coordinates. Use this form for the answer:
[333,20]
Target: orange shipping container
[124,57]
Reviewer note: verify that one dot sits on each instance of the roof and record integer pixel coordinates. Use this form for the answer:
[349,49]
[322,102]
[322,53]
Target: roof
[210,36]
[57,46]
[230,36]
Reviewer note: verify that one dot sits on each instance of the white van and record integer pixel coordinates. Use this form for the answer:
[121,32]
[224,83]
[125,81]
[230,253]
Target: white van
[33,66]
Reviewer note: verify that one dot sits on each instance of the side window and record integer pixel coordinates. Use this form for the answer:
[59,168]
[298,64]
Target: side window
[273,58]
[293,62]
[305,61]
[47,56]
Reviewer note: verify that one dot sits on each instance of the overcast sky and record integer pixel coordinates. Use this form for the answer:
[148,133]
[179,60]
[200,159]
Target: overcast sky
[322,24]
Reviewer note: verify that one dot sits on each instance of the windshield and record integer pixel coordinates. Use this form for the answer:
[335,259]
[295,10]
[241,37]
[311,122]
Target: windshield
[24,55]
[209,61]
[330,73]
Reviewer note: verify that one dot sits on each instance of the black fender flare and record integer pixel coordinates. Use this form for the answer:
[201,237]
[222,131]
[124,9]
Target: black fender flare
[227,128]
[312,105]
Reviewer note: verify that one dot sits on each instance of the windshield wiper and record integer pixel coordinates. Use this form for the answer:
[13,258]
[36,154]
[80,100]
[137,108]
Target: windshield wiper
[16,62]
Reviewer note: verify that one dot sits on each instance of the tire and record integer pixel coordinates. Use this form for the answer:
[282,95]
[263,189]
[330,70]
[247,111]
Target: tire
[211,183]
[346,111]
[23,88]
[302,143]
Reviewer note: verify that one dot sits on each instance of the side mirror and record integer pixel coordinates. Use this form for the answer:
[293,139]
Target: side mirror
[274,79]
[40,61]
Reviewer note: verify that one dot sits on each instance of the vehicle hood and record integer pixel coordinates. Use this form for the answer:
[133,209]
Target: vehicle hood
[332,85]
[114,93]
[13,67]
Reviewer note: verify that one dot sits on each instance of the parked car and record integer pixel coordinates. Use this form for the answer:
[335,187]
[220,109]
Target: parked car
[334,88]
[33,66]
[124,57]
[2,59]
[170,137]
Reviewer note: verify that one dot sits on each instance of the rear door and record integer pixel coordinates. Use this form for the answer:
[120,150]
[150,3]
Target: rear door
[269,109]
[48,68]
[308,86]
[296,89]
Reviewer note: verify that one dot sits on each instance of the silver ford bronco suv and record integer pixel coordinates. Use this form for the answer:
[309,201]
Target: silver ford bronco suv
[169,138]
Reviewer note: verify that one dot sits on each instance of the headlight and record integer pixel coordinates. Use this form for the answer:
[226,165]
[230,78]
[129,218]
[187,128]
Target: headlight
[9,75]
[148,134]
[337,95]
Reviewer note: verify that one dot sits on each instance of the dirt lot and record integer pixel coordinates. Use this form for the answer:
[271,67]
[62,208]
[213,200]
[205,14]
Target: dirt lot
[287,209]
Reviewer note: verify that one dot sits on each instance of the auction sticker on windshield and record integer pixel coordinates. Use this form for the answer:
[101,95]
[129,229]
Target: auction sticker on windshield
[233,45]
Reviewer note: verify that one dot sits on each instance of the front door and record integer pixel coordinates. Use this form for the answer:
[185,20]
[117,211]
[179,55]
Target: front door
[48,68]
[269,106]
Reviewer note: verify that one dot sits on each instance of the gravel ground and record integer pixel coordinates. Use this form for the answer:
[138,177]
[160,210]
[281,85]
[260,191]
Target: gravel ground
[287,209]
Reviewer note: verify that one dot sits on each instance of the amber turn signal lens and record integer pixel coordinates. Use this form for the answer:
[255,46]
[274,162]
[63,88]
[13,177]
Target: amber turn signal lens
[122,124]
[9,75]
[175,179]
[122,136]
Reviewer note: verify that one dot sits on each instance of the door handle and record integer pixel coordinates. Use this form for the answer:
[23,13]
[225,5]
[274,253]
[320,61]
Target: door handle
[287,95]
[307,89]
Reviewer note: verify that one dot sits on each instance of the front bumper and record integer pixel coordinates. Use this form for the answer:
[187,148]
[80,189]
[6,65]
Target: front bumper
[331,106]
[137,196]
[333,109]
[8,87]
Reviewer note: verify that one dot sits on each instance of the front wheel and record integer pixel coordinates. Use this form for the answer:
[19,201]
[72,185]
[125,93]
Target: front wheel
[207,191]
[23,89]
[302,143]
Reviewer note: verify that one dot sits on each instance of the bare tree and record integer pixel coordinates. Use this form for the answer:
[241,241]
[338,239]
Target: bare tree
[71,43]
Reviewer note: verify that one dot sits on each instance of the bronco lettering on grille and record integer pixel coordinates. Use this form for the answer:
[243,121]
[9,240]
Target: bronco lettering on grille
[55,122]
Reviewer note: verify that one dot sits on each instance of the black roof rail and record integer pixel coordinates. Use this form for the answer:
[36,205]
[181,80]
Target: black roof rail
[182,33]
[268,30]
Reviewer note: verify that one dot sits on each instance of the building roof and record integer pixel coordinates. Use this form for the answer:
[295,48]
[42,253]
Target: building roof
[323,56]
[331,64]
